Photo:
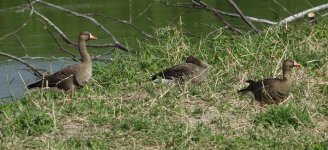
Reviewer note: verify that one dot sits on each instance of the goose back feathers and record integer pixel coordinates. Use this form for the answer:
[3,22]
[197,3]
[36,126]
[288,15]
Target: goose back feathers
[193,69]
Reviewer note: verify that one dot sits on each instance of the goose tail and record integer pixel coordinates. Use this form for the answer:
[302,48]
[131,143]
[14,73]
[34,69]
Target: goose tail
[251,83]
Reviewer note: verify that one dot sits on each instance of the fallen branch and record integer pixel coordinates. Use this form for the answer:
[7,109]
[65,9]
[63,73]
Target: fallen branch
[115,41]
[36,71]
[302,14]
[190,5]
[123,21]
[288,19]
[234,5]
[203,5]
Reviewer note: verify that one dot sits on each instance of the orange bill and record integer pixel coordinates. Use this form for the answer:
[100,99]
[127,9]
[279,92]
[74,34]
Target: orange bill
[297,64]
[92,37]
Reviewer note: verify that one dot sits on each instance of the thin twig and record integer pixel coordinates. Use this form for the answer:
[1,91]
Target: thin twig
[64,37]
[20,27]
[151,22]
[57,42]
[124,22]
[283,7]
[22,44]
[234,5]
[130,11]
[179,15]
[20,7]
[145,10]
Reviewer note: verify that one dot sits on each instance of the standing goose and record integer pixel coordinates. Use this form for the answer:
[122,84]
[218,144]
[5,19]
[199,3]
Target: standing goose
[194,70]
[72,77]
[273,90]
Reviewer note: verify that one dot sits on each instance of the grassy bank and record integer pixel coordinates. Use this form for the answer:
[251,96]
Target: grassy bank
[121,109]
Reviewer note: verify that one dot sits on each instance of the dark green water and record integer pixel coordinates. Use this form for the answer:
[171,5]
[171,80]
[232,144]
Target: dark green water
[38,42]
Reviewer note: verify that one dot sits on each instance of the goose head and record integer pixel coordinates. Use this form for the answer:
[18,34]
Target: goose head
[86,36]
[287,64]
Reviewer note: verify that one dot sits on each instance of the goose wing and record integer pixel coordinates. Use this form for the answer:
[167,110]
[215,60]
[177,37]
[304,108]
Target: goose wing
[176,72]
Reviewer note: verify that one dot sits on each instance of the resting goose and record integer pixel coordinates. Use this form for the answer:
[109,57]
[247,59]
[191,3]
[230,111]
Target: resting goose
[193,70]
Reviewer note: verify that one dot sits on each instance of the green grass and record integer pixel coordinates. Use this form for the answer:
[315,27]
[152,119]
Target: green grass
[283,116]
[121,109]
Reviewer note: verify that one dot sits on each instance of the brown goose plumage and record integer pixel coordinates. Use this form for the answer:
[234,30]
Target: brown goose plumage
[194,70]
[273,90]
[72,77]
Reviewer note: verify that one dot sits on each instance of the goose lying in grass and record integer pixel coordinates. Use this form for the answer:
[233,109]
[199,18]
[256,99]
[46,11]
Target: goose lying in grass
[193,70]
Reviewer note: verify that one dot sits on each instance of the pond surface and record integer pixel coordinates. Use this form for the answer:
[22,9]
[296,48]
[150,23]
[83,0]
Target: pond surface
[34,41]
[15,76]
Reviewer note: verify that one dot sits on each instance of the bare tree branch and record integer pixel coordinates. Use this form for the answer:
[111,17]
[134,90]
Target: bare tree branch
[323,15]
[234,5]
[283,7]
[57,42]
[130,11]
[145,10]
[21,7]
[290,18]
[302,14]
[179,15]
[218,16]
[36,72]
[64,37]
[151,22]
[190,5]
[20,27]
[124,22]
[260,20]
[115,41]
[22,44]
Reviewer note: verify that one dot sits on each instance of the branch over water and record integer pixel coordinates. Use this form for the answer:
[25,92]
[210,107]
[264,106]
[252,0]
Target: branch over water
[115,41]
[35,71]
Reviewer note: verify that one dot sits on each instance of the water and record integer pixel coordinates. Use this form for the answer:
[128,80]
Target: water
[15,76]
[34,41]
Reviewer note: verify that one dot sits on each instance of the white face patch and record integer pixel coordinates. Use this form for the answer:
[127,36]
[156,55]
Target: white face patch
[164,81]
